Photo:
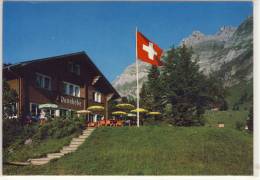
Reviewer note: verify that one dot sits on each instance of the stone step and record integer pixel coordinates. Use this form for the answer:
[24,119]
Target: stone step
[66,151]
[88,130]
[69,148]
[74,145]
[78,140]
[19,163]
[40,161]
[86,133]
[55,155]
[83,136]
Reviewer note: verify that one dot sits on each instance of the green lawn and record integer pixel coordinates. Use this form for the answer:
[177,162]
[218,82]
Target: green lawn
[155,150]
[229,118]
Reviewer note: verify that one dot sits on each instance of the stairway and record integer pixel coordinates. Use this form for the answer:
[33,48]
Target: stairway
[73,146]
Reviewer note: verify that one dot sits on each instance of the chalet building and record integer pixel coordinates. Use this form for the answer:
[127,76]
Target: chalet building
[71,81]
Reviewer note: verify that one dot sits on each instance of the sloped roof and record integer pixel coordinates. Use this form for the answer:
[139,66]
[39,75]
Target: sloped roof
[24,63]
[81,53]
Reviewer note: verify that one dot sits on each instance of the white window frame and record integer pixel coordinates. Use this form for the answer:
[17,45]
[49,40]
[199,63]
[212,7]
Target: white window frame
[43,81]
[97,96]
[67,91]
[37,109]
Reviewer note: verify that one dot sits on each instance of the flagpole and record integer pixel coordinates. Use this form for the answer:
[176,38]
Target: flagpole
[137,78]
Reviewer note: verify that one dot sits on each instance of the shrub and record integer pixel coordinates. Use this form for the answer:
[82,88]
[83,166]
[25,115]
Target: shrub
[224,106]
[202,121]
[240,125]
[60,127]
[14,131]
[235,107]
[250,121]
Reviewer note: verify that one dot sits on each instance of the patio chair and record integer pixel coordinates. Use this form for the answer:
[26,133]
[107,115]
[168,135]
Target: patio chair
[102,123]
[92,124]
[108,123]
[113,122]
[119,123]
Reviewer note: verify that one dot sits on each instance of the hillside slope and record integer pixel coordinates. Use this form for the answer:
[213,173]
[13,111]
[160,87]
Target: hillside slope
[155,150]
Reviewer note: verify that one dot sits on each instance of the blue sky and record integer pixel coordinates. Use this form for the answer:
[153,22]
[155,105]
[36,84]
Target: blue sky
[106,30]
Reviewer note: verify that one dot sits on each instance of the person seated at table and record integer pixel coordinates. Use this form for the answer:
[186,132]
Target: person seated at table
[42,117]
[128,122]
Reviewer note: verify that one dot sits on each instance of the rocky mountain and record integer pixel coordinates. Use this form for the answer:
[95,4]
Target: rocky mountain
[125,84]
[229,51]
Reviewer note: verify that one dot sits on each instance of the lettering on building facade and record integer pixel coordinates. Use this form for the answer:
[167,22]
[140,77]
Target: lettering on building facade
[69,101]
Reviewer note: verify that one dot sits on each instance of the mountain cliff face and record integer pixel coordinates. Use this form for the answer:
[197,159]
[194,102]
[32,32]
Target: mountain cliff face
[229,51]
[125,84]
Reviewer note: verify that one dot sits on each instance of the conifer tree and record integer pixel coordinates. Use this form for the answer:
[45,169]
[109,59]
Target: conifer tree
[180,90]
[145,97]
[183,87]
[10,97]
[154,87]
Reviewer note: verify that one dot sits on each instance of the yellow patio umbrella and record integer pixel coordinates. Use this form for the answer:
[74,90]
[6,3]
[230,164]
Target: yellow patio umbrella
[125,106]
[131,115]
[83,112]
[119,113]
[140,110]
[154,113]
[95,108]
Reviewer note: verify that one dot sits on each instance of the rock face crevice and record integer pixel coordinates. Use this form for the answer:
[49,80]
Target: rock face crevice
[229,51]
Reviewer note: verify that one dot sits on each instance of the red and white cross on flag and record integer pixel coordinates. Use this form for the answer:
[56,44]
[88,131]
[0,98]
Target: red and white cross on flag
[148,51]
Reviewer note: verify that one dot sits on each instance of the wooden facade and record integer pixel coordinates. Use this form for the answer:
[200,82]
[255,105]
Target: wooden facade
[47,81]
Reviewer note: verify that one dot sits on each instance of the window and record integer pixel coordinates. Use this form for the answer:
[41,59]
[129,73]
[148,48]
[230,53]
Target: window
[74,68]
[64,88]
[10,110]
[65,113]
[34,109]
[39,81]
[77,69]
[46,83]
[43,81]
[77,93]
[71,89]
[97,97]
[52,113]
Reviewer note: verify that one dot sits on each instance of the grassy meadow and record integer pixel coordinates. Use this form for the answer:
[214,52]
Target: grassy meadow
[158,150]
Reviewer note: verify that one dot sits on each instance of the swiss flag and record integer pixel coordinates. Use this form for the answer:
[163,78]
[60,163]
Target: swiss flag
[148,51]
